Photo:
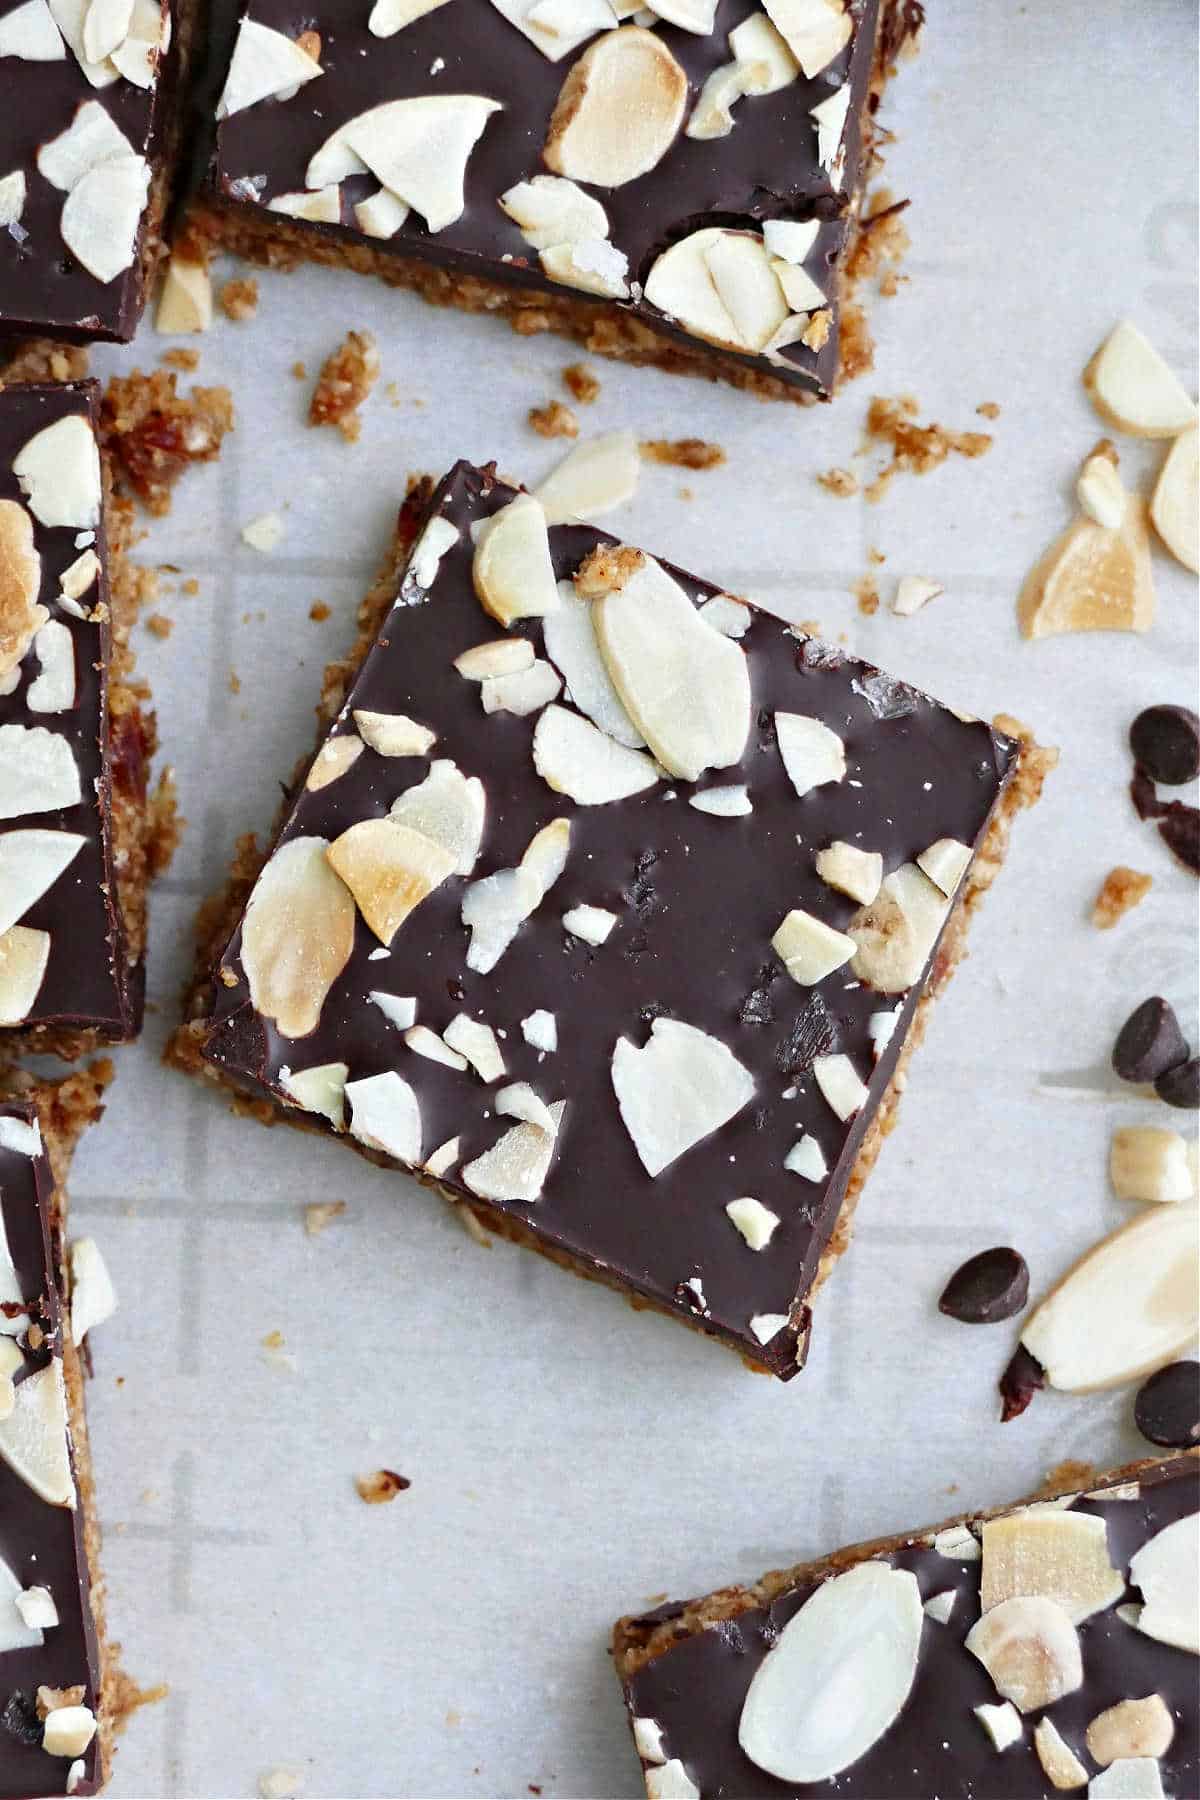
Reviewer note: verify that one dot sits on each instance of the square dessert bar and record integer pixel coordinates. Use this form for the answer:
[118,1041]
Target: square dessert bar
[612,906]
[88,136]
[78,835]
[1040,1648]
[681,191]
[55,1713]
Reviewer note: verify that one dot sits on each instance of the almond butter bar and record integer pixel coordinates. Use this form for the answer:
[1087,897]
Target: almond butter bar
[1048,1647]
[681,190]
[79,835]
[56,1695]
[611,906]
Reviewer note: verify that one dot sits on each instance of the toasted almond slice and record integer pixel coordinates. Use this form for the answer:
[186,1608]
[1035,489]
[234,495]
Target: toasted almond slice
[747,286]
[800,291]
[830,120]
[756,1222]
[37,772]
[478,1043]
[552,210]
[1147,1163]
[789,240]
[576,759]
[1131,1728]
[711,116]
[394,734]
[500,656]
[1132,387]
[381,214]
[812,753]
[594,924]
[1164,1569]
[519,1101]
[443,1159]
[439,535]
[851,870]
[837,1677]
[53,691]
[757,41]
[23,958]
[332,761]
[20,584]
[31,862]
[545,855]
[264,64]
[1092,579]
[619,110]
[12,191]
[912,593]
[1060,1764]
[815,31]
[185,298]
[896,933]
[680,1087]
[1127,1307]
[541,1030]
[1175,507]
[449,808]
[59,473]
[322,207]
[839,1082]
[29,33]
[1101,492]
[686,688]
[385,1115]
[1129,1778]
[680,284]
[806,1159]
[1030,1649]
[592,264]
[809,949]
[512,570]
[102,215]
[33,1439]
[297,935]
[1061,1555]
[599,474]
[105,25]
[521,694]
[93,137]
[320,1089]
[418,149]
[945,863]
[571,643]
[389,868]
[1002,1724]
[390,16]
[731,802]
[494,909]
[516,1166]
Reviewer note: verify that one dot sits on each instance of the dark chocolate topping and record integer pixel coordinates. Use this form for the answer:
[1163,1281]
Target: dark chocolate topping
[698,899]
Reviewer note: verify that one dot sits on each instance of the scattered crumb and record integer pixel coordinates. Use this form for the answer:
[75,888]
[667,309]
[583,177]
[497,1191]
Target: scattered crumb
[300,371]
[235,687]
[280,1784]
[160,625]
[655,1599]
[323,1213]
[239,299]
[811,626]
[916,449]
[149,1496]
[881,243]
[453,1717]
[264,532]
[875,557]
[319,612]
[1123,889]
[842,482]
[912,593]
[273,1341]
[682,453]
[988,409]
[868,595]
[128,1698]
[1069,1474]
[190,587]
[347,377]
[686,493]
[153,433]
[554,420]
[581,383]
[382,1486]
[181,358]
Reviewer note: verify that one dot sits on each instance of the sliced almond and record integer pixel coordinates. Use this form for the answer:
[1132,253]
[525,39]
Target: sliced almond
[593,265]
[945,863]
[1132,387]
[512,570]
[1030,1649]
[1062,1556]
[478,1043]
[385,1115]
[321,1089]
[686,688]
[1165,1571]
[571,643]
[185,299]
[69,16]
[597,475]
[33,1439]
[389,868]
[812,753]
[594,924]
[37,772]
[519,1101]
[1101,493]
[322,206]
[680,284]
[398,1009]
[1147,1163]
[1002,1724]
[541,1030]
[332,760]
[958,1543]
[851,871]
[394,734]
[1131,1728]
[102,216]
[29,33]
[557,27]
[732,618]
[1129,1778]
[31,862]
[59,473]
[806,1159]
[857,1637]
[53,690]
[381,214]
[516,1166]
[648,1740]
[896,933]
[1092,579]
[698,16]
[494,909]
[12,191]
[449,808]
[443,1159]
[78,577]
[390,16]
[815,31]
[1175,507]
[619,110]
[756,1222]
[747,286]
[93,137]
[423,1042]
[521,694]
[16,1631]
[23,958]
[1127,1307]
[68,1730]
[500,656]
[439,536]
[800,291]
[105,25]
[912,593]
[546,853]
[20,584]
[149,38]
[551,210]
[732,802]
[679,1088]
[809,949]
[418,149]
[766,1326]
[711,116]
[1060,1764]
[881,1027]
[297,936]
[841,1085]
[576,759]
[788,240]
[264,64]
[830,120]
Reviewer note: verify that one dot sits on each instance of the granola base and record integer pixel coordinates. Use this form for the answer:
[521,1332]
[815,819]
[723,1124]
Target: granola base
[37,359]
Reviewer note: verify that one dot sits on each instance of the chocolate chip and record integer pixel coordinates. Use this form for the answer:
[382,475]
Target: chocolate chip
[987,1288]
[1019,1383]
[1180,1086]
[1167,1408]
[1149,1042]
[1180,832]
[1146,803]
[1165,740]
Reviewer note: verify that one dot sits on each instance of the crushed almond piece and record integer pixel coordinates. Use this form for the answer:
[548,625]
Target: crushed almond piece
[816,333]
[606,569]
[160,625]
[239,299]
[347,377]
[377,1489]
[842,482]
[319,612]
[154,433]
[682,453]
[554,420]
[322,1214]
[1123,890]
[51,1699]
[581,383]
[916,449]
[181,357]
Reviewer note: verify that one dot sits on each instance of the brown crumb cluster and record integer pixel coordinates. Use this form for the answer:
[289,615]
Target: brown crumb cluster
[381,1486]
[153,433]
[347,377]
[554,420]
[682,453]
[181,357]
[608,568]
[581,383]
[159,625]
[842,482]
[916,449]
[239,299]
[988,409]
[867,593]
[1123,889]
[318,612]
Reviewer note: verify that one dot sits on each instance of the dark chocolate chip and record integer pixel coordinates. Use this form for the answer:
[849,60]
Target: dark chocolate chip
[987,1288]
[1020,1381]
[1180,1086]
[1165,741]
[1149,1042]
[1180,832]
[1167,1408]
[1144,794]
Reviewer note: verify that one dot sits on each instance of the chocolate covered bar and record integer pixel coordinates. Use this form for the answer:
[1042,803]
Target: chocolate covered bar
[79,836]
[56,1714]
[612,906]
[1049,1647]
[682,190]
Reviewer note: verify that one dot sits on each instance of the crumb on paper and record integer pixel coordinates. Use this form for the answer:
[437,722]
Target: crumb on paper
[239,298]
[682,453]
[280,1784]
[916,449]
[988,409]
[554,420]
[264,532]
[842,482]
[347,376]
[581,383]
[160,625]
[1123,889]
[876,557]
[1069,1474]
[181,358]
[881,243]
[319,612]
[378,1488]
[300,371]
[127,1697]
[687,493]
[190,587]
[322,1214]
[235,687]
[866,591]
[153,433]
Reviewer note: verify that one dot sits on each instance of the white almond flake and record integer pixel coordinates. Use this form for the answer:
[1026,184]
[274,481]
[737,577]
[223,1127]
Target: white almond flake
[812,753]
[557,30]
[732,802]
[516,1166]
[264,64]
[838,1080]
[264,533]
[806,1159]
[1059,1762]
[896,933]
[321,207]
[185,300]
[1101,493]
[789,240]
[648,1740]
[679,1088]
[390,16]
[799,289]
[619,110]
[521,694]
[398,1009]
[1132,387]
[1030,1649]
[809,949]
[1002,1724]
[850,870]
[29,33]
[93,1296]
[31,861]
[149,38]
[449,808]
[36,1607]
[499,656]
[332,761]
[541,1030]
[105,25]
[33,1439]
[427,1043]
[592,264]
[79,576]
[12,197]
[23,958]
[958,1542]
[1129,1778]
[102,216]
[815,31]
[545,855]
[1131,1728]
[16,1632]
[698,16]
[880,1027]
[297,935]
[940,1606]
[494,909]
[1061,1555]
[766,1326]
[571,644]
[68,1730]
[1175,507]
[857,1638]
[478,1043]
[385,1115]
[830,119]
[945,863]
[512,570]
[712,116]
[747,286]
[438,536]
[24,1139]
[597,475]
[380,215]
[59,473]
[680,284]
[53,691]
[92,138]
[551,210]
[732,618]
[912,593]
[1164,1569]
[320,1089]
[69,16]
[418,149]
[443,1159]
[594,924]
[1150,1164]
[394,734]
[755,1221]
[576,759]
[37,772]
[519,1101]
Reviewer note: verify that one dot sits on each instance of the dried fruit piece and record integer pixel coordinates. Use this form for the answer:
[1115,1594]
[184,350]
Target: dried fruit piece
[896,933]
[1147,1163]
[59,473]
[1060,1764]
[837,1677]
[320,1089]
[1125,1308]
[516,1166]
[619,110]
[756,1222]
[389,868]
[1091,579]
[332,760]
[385,1115]
[1131,1728]
[1165,1570]
[839,1082]
[37,772]
[30,863]
[991,1286]
[20,583]
[812,753]
[1060,1556]
[512,570]
[1167,1408]
[551,210]
[265,64]
[1165,741]
[571,643]
[945,863]
[23,958]
[521,694]
[1175,504]
[678,1088]
[297,935]
[448,807]
[33,1438]
[815,31]
[394,734]
[809,949]
[1030,1649]
[576,759]
[1149,1043]
[851,870]
[597,475]
[1132,387]
[418,149]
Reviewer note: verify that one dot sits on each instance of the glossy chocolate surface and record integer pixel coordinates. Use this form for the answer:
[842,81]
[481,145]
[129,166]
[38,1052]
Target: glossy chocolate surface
[696,1689]
[766,168]
[88,981]
[41,1544]
[698,899]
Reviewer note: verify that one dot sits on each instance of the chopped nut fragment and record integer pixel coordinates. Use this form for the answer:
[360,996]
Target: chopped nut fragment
[347,376]
[682,453]
[1002,1724]
[1062,1767]
[554,420]
[851,871]
[380,1487]
[842,482]
[239,298]
[582,383]
[755,1221]
[809,949]
[1147,1163]
[1123,889]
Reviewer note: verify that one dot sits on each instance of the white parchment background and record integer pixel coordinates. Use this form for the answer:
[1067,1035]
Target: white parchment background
[569,1458]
